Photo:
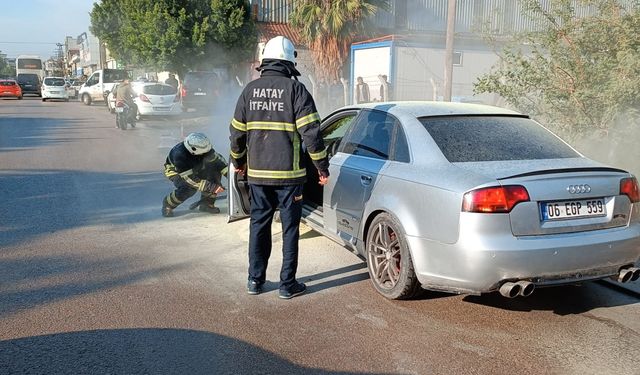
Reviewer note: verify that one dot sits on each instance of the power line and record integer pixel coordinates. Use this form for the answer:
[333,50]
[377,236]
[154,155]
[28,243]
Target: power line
[27,42]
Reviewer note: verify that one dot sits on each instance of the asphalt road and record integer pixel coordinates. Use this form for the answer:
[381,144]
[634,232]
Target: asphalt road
[94,281]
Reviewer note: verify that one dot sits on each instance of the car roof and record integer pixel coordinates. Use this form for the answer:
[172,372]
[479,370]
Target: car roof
[428,108]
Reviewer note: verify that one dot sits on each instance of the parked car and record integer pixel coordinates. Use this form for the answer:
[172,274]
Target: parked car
[99,84]
[9,88]
[29,83]
[72,87]
[54,88]
[199,90]
[466,198]
[157,99]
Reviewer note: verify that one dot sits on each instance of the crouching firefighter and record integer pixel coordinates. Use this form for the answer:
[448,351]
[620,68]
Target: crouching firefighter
[193,165]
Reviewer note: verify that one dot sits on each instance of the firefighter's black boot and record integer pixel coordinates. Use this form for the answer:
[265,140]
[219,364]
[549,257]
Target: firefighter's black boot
[208,205]
[167,211]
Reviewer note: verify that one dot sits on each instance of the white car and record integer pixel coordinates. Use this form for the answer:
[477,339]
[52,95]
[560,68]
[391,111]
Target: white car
[72,91]
[54,88]
[156,98]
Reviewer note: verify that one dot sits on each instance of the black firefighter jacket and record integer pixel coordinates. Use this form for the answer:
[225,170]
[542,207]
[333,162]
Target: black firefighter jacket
[273,116]
[195,170]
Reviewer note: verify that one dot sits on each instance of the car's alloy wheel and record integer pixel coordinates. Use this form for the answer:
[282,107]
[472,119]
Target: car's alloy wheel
[388,259]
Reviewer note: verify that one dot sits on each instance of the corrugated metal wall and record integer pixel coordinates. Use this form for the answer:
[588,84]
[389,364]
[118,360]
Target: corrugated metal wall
[272,10]
[501,16]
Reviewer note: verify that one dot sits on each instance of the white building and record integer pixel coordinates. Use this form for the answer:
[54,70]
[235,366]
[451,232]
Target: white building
[90,54]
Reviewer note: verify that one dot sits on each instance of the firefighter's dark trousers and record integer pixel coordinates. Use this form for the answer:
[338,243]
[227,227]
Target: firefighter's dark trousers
[185,191]
[264,202]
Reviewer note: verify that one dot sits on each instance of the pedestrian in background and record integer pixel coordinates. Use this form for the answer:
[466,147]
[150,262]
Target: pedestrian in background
[362,91]
[274,114]
[172,81]
[385,95]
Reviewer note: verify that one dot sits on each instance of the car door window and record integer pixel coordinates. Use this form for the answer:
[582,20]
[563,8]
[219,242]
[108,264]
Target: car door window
[371,135]
[335,131]
[93,80]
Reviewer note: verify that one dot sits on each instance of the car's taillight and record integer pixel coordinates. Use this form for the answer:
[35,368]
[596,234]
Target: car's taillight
[498,199]
[144,98]
[183,91]
[629,187]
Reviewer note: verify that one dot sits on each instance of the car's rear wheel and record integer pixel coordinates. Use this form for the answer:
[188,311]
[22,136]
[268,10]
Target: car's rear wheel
[86,99]
[388,259]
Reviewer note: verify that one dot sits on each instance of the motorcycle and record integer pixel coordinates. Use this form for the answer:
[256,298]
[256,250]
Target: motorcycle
[124,115]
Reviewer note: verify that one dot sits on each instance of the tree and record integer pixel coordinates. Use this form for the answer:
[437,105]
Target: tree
[577,74]
[176,35]
[329,27]
[6,69]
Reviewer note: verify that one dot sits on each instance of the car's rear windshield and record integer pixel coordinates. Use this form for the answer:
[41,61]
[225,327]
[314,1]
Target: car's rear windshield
[159,90]
[204,78]
[54,82]
[494,138]
[28,78]
[7,83]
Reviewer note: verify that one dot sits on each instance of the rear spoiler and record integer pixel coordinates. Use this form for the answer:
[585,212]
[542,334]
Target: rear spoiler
[566,170]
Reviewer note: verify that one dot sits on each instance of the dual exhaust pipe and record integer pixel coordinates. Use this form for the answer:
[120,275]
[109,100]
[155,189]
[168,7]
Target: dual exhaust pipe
[626,275]
[521,288]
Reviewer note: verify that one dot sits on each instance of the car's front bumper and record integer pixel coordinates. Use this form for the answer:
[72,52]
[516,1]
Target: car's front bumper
[479,264]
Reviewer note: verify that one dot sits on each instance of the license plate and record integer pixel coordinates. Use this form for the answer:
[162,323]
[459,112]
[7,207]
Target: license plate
[161,109]
[573,209]
[119,109]
[199,93]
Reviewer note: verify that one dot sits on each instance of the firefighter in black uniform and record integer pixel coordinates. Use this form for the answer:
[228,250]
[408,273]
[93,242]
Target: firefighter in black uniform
[274,114]
[192,165]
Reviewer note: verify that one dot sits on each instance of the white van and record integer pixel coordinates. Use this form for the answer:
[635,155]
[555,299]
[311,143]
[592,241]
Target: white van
[99,84]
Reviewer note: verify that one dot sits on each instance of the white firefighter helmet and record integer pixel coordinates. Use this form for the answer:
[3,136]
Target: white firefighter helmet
[279,48]
[197,143]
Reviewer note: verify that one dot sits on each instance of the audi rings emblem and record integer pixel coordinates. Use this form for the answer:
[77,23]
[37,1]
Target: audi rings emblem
[579,189]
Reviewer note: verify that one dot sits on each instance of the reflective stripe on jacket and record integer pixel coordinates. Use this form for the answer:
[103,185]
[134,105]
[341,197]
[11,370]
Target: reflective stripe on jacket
[274,114]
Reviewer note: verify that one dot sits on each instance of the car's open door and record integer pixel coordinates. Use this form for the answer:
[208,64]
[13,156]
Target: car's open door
[238,196]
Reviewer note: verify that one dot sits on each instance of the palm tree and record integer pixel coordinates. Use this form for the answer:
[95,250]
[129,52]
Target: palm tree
[328,27]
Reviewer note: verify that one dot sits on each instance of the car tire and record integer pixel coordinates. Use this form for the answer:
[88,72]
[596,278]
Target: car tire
[86,99]
[44,99]
[382,251]
[20,97]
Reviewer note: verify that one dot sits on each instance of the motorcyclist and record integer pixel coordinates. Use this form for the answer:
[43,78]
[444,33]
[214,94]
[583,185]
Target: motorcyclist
[193,165]
[125,93]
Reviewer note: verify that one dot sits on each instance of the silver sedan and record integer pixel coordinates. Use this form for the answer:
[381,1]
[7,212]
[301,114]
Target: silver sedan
[467,198]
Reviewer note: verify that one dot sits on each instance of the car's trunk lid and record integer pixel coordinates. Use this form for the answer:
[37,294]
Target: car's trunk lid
[566,195]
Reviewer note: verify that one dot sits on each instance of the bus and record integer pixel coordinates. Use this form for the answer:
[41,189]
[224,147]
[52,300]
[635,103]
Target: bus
[26,64]
[29,73]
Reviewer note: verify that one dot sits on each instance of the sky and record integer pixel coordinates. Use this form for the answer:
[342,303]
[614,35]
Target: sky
[35,26]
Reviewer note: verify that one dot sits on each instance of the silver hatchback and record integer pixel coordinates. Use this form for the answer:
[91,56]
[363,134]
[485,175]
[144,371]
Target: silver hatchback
[467,198]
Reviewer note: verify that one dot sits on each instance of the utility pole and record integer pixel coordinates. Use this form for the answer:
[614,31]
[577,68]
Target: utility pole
[448,54]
